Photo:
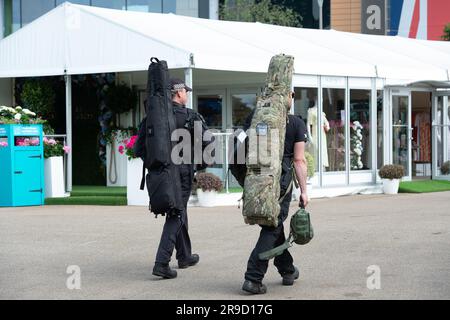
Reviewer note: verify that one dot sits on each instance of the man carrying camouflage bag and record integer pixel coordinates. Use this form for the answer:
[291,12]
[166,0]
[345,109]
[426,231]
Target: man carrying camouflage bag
[277,146]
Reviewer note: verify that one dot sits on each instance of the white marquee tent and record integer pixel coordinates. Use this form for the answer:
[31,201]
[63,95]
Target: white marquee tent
[74,39]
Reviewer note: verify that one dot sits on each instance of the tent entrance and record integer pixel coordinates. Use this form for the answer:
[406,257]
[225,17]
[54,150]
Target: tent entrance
[421,142]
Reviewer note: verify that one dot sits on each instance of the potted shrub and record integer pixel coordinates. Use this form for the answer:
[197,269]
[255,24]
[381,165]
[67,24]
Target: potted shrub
[445,168]
[207,185]
[39,95]
[120,98]
[391,175]
[54,168]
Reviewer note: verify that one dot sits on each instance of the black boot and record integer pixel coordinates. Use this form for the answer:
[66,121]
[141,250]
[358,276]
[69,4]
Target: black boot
[163,270]
[289,278]
[193,260]
[254,287]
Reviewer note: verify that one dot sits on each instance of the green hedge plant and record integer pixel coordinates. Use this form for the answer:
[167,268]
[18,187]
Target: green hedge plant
[445,168]
[208,182]
[391,171]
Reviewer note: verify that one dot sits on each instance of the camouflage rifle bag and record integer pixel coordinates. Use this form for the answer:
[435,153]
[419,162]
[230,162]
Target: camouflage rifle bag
[266,145]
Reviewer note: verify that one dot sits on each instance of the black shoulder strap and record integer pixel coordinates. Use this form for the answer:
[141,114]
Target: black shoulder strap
[143,177]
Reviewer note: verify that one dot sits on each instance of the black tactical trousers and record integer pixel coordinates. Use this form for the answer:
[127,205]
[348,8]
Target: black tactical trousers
[271,237]
[175,232]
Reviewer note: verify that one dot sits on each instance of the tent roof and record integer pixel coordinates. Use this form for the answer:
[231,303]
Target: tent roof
[80,39]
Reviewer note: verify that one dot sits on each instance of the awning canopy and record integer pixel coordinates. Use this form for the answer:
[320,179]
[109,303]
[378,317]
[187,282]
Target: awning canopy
[76,39]
[422,84]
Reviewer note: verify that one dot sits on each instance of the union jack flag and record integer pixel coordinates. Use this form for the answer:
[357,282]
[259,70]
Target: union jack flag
[420,19]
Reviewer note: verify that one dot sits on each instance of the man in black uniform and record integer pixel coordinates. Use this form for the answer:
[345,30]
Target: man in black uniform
[175,232]
[271,237]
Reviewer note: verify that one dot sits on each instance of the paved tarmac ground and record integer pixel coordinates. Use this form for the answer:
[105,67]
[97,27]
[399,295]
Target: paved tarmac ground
[405,239]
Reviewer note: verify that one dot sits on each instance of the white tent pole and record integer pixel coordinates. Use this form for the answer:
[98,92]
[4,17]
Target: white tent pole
[68,80]
[188,81]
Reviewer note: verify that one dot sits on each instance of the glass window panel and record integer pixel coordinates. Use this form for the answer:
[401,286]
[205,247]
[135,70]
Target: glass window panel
[16,16]
[379,129]
[183,7]
[83,2]
[305,106]
[400,131]
[203,9]
[32,9]
[145,5]
[3,142]
[333,129]
[241,106]
[111,4]
[360,147]
[440,133]
[27,141]
[210,107]
[448,130]
[400,110]
[169,6]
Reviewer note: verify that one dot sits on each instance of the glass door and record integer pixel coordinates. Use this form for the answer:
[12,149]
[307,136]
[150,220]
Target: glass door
[441,135]
[210,103]
[401,131]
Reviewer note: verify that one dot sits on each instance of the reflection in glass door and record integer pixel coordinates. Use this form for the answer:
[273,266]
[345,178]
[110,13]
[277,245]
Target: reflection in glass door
[242,104]
[210,107]
[441,136]
[401,132]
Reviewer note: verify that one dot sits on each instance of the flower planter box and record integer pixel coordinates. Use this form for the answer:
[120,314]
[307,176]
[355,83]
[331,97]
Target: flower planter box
[54,177]
[206,198]
[135,196]
[116,165]
[390,186]
[22,160]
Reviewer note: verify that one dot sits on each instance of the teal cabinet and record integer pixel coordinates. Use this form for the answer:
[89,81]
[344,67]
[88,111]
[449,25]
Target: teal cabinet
[21,165]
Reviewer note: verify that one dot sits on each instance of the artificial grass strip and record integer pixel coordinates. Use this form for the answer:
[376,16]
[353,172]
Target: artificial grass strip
[93,195]
[92,200]
[424,186]
[232,190]
[84,191]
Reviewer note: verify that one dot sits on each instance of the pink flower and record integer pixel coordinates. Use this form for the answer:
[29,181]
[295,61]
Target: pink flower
[66,149]
[3,144]
[52,142]
[131,143]
[45,140]
[121,149]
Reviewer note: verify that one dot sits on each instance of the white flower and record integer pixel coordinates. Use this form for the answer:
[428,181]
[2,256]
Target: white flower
[11,110]
[360,164]
[2,108]
[19,108]
[28,112]
[18,116]
[357,151]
